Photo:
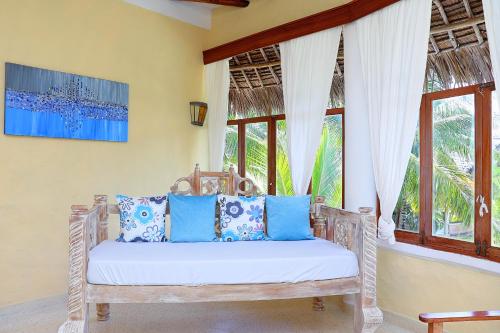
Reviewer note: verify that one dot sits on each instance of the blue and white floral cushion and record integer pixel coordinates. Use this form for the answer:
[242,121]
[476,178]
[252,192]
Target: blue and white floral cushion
[142,219]
[241,218]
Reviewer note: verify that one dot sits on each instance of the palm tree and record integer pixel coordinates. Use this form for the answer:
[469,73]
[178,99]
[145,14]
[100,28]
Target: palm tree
[327,172]
[495,195]
[284,185]
[327,175]
[453,171]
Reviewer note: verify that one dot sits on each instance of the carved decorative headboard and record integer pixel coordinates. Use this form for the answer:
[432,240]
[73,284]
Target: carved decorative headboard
[207,183]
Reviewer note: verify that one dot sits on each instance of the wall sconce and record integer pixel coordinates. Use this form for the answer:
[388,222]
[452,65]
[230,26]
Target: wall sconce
[198,112]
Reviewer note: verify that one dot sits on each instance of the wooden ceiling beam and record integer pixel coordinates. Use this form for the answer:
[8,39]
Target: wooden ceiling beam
[234,3]
[321,21]
[442,11]
[255,69]
[468,9]
[252,66]
[471,22]
[276,78]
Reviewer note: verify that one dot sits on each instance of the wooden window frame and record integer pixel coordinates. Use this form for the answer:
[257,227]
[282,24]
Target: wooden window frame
[271,145]
[482,139]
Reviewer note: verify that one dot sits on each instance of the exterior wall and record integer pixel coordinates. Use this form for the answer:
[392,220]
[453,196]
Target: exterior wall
[230,23]
[160,59]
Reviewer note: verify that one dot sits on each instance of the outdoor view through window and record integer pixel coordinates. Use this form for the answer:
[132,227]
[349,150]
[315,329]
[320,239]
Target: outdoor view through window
[327,173]
[453,172]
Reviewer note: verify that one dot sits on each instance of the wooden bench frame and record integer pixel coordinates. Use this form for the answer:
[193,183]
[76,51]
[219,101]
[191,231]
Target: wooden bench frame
[354,231]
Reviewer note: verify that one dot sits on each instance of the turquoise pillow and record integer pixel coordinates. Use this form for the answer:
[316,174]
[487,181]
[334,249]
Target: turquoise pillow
[192,218]
[288,218]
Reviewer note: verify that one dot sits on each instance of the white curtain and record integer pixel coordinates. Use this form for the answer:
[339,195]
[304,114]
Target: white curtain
[217,88]
[492,16]
[307,64]
[392,45]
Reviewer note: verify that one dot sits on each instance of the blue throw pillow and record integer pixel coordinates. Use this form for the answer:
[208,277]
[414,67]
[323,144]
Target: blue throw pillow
[192,218]
[288,218]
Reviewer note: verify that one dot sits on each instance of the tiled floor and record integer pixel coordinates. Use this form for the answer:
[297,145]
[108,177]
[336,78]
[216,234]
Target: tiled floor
[270,316]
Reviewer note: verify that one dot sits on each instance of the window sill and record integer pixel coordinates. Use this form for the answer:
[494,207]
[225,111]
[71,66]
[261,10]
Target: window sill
[442,256]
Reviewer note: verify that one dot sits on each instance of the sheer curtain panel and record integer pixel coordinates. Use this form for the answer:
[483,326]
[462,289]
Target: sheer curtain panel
[392,45]
[217,88]
[307,64]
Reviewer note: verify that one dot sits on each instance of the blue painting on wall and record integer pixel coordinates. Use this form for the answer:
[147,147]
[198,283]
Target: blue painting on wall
[40,102]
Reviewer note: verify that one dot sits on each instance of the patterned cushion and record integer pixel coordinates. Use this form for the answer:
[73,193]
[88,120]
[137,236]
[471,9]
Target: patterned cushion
[241,218]
[142,219]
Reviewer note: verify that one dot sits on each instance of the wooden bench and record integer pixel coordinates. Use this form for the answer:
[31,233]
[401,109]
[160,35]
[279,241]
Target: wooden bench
[354,231]
[437,320]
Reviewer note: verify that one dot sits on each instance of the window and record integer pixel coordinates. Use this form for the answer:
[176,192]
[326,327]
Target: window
[454,167]
[256,153]
[261,155]
[327,177]
[231,149]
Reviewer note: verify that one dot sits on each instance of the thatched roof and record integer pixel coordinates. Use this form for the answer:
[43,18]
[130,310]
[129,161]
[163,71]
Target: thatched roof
[458,56]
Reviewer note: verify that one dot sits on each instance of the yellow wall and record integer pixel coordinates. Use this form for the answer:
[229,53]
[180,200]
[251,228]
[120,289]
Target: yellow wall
[408,286]
[160,58]
[230,23]
[40,178]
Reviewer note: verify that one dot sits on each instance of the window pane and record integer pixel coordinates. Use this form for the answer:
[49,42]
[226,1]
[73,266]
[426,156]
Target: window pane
[256,154]
[406,214]
[283,177]
[453,167]
[495,172]
[327,173]
[231,150]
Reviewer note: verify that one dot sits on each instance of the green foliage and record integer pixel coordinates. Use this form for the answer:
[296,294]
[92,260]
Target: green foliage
[453,171]
[327,174]
[284,185]
[495,194]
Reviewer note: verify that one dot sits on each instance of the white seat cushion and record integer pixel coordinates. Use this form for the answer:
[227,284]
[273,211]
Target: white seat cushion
[245,262]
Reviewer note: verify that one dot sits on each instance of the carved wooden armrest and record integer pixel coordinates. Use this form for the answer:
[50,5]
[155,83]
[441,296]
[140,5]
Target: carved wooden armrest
[335,224]
[356,232]
[87,228]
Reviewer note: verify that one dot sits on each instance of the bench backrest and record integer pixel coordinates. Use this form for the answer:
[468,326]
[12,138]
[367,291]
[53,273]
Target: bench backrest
[207,183]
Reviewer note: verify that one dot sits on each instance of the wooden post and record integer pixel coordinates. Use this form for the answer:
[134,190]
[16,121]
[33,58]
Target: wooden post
[101,201]
[367,316]
[197,180]
[435,328]
[319,227]
[78,308]
[231,182]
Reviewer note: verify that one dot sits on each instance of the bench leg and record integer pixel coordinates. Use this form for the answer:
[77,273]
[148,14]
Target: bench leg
[367,316]
[367,319]
[318,304]
[102,311]
[77,322]
[435,328]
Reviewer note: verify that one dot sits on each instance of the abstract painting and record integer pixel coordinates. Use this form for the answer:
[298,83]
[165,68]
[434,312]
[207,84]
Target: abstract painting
[40,102]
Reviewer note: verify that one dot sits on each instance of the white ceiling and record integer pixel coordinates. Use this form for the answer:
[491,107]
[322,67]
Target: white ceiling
[198,14]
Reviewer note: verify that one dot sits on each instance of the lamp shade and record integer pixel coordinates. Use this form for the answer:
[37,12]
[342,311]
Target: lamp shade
[198,112]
